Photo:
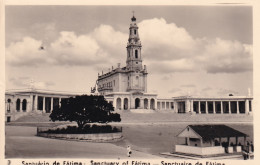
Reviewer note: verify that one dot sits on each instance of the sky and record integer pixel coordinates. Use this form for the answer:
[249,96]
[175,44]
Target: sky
[197,50]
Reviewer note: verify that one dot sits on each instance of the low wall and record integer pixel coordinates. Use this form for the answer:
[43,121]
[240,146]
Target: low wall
[199,150]
[98,137]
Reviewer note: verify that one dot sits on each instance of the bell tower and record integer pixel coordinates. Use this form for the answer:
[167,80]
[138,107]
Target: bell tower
[137,74]
[134,57]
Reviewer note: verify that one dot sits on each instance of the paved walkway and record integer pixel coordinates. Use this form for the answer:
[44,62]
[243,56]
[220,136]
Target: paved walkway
[21,142]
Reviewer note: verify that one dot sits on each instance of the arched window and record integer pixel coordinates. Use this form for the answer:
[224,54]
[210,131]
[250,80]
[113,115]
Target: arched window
[135,31]
[18,102]
[136,53]
[24,105]
[8,105]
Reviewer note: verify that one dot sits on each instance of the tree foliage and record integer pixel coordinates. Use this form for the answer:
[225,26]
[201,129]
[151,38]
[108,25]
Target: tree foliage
[85,109]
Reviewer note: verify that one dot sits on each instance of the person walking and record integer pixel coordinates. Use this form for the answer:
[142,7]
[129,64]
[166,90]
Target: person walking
[252,146]
[129,151]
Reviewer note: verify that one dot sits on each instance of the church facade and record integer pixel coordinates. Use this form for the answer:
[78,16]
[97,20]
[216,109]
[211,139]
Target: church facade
[126,87]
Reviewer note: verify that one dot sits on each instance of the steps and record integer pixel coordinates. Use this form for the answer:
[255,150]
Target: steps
[142,111]
[34,117]
[152,116]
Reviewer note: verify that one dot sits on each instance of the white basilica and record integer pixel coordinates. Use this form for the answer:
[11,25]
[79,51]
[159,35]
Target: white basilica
[126,88]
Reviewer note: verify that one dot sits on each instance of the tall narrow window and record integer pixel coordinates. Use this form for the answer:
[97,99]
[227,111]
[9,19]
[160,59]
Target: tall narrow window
[130,32]
[18,102]
[136,53]
[24,105]
[8,105]
[135,32]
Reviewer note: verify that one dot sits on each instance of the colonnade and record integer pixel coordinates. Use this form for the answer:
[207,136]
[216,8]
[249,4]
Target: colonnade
[163,105]
[45,103]
[125,103]
[214,106]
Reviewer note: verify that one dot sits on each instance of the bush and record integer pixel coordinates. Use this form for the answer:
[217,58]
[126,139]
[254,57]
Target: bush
[87,129]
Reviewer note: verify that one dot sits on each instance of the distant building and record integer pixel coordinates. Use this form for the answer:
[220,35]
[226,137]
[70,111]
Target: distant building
[205,140]
[19,103]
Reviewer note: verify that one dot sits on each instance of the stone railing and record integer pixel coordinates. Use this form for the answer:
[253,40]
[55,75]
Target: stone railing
[95,137]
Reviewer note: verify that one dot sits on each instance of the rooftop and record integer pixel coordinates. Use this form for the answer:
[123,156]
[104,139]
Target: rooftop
[216,131]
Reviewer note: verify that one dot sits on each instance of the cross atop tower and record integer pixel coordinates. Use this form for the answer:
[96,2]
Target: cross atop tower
[133,18]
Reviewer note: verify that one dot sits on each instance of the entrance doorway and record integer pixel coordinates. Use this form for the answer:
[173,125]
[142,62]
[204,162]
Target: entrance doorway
[137,103]
[8,119]
[125,104]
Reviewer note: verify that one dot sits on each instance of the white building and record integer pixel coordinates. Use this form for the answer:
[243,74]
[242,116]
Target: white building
[19,103]
[126,86]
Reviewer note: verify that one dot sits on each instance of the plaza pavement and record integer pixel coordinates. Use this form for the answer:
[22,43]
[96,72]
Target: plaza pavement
[21,142]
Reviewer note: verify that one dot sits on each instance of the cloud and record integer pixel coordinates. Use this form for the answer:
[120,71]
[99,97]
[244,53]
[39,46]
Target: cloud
[70,49]
[166,49]
[188,85]
[207,89]
[224,56]
[170,49]
[175,90]
[25,52]
[165,41]
[26,82]
[102,46]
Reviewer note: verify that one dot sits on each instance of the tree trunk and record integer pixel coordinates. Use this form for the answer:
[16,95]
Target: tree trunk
[80,124]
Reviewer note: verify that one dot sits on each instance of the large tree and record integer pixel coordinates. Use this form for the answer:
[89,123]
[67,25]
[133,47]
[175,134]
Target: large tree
[85,109]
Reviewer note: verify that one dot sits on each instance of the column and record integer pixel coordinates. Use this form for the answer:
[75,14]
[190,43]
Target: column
[214,107]
[60,102]
[142,103]
[247,106]
[221,107]
[122,104]
[187,106]
[43,109]
[128,103]
[207,111]
[51,104]
[237,107]
[199,107]
[188,141]
[148,104]
[212,143]
[155,104]
[191,105]
[175,107]
[165,105]
[229,107]
[31,102]
[36,102]
[21,106]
